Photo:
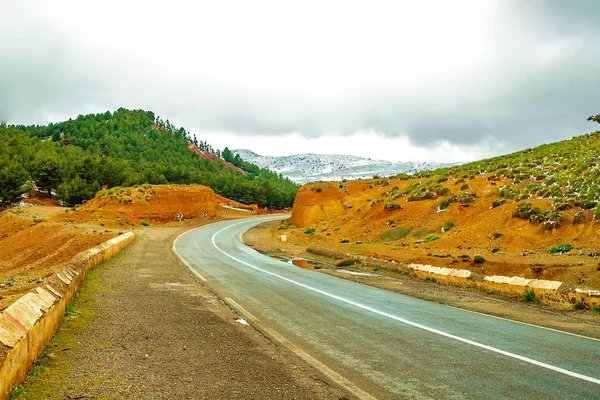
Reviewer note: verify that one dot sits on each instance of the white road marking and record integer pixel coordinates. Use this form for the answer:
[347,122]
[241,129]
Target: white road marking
[189,267]
[330,373]
[405,321]
[523,323]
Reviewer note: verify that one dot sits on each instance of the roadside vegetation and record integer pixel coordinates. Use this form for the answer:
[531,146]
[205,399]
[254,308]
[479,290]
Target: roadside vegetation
[566,172]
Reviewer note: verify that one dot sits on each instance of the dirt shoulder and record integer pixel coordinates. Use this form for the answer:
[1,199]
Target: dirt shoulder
[142,327]
[263,238]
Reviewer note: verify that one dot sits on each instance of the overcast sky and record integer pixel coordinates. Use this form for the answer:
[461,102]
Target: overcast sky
[397,80]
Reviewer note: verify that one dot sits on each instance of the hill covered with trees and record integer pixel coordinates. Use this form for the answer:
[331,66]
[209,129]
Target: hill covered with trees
[78,157]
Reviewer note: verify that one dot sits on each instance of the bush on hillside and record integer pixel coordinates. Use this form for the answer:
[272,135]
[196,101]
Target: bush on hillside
[562,248]
[392,205]
[448,225]
[443,204]
[467,197]
[478,259]
[498,202]
[579,218]
[431,237]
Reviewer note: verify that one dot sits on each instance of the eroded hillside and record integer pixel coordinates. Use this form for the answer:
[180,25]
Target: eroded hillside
[515,211]
[38,240]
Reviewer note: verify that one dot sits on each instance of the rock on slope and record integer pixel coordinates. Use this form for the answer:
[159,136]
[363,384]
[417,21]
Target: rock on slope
[303,168]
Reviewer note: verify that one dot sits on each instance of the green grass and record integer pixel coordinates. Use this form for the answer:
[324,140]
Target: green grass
[529,295]
[420,232]
[49,369]
[565,172]
[309,231]
[431,237]
[563,248]
[396,233]
[448,225]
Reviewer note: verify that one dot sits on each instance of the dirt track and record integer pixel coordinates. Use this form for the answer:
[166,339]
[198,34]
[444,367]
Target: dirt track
[142,327]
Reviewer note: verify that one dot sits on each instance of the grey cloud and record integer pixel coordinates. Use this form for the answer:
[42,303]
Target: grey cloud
[515,102]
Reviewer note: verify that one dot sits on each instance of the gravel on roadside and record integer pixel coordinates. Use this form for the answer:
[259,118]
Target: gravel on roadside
[143,328]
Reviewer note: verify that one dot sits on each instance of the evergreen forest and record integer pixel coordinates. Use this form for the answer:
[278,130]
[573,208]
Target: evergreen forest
[74,159]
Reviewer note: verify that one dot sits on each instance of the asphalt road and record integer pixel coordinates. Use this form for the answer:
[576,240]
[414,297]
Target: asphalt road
[386,344]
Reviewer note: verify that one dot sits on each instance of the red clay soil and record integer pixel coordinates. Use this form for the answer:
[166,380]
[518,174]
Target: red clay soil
[37,198]
[355,211]
[212,157]
[32,248]
[36,241]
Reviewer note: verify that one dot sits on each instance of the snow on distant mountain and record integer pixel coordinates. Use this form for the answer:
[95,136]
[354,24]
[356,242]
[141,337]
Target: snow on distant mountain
[303,168]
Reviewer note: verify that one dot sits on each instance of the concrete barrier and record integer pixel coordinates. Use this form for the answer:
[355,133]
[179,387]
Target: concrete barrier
[29,323]
[554,293]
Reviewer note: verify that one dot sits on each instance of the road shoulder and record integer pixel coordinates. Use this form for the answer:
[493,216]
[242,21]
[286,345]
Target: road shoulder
[143,327]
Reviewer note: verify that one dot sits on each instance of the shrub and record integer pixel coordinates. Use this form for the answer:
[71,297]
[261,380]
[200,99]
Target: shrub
[345,241]
[525,211]
[563,248]
[496,235]
[579,218]
[587,204]
[529,295]
[498,202]
[443,191]
[396,233]
[478,259]
[596,310]
[579,306]
[144,223]
[467,197]
[597,211]
[417,196]
[309,231]
[316,189]
[444,204]
[465,187]
[431,237]
[430,279]
[564,206]
[448,225]
[392,205]
[538,219]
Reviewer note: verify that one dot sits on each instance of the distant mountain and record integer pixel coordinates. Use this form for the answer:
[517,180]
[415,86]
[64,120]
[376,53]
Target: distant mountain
[303,168]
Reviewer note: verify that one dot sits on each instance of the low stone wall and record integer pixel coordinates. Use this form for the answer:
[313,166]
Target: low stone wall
[29,323]
[554,293]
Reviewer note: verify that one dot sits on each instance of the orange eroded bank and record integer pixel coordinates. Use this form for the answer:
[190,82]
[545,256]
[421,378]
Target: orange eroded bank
[29,323]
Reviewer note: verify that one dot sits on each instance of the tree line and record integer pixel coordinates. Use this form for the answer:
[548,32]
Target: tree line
[76,158]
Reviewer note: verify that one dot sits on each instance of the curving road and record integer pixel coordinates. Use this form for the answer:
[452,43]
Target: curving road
[384,344]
